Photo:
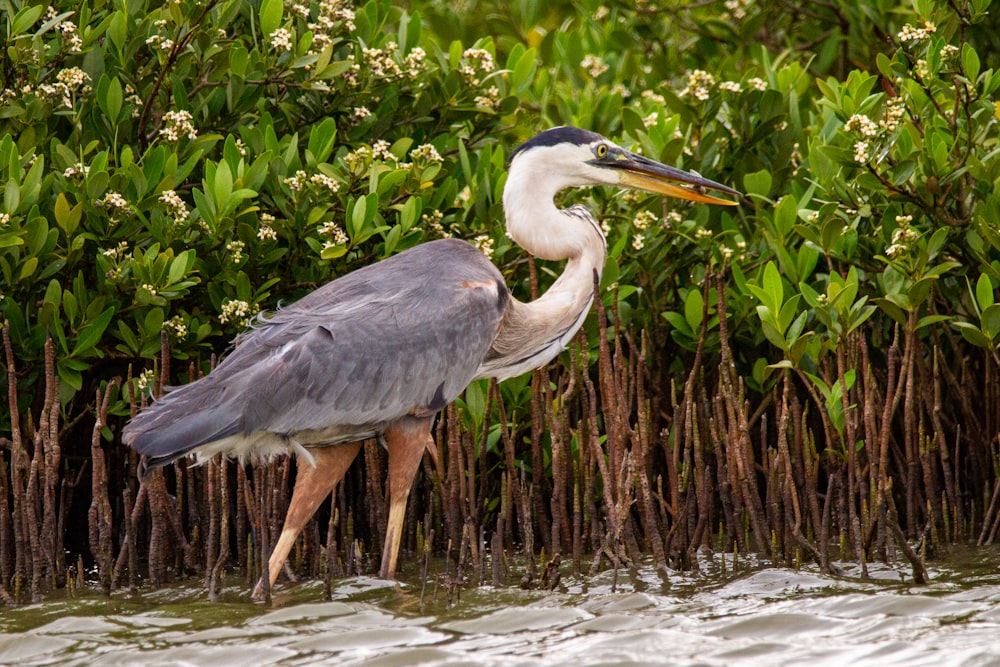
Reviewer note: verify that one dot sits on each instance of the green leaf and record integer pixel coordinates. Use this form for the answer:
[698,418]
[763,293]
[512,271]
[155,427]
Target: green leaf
[758,183]
[270,16]
[91,334]
[524,72]
[678,322]
[970,62]
[25,18]
[991,321]
[984,292]
[973,335]
[693,308]
[931,319]
[773,287]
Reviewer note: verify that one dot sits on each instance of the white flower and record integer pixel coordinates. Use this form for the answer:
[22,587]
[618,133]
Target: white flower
[236,248]
[699,83]
[861,152]
[861,124]
[643,219]
[485,245]
[266,233]
[334,233]
[594,65]
[491,100]
[324,181]
[281,40]
[237,311]
[175,205]
[380,151]
[911,34]
[177,327]
[296,182]
[426,152]
[145,379]
[113,201]
[177,124]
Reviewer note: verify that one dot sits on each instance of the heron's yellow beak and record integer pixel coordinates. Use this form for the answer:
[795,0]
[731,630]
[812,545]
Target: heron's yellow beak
[648,175]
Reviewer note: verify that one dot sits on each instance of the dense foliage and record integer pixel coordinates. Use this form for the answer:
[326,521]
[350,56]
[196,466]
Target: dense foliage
[172,169]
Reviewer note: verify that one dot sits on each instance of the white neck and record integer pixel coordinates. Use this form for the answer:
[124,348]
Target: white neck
[533,333]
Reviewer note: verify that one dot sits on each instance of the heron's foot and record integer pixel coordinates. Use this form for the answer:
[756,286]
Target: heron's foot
[258,591]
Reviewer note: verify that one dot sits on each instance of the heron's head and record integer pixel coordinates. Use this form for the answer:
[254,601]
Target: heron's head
[566,157]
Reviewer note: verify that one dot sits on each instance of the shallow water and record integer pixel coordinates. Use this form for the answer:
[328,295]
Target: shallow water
[755,616]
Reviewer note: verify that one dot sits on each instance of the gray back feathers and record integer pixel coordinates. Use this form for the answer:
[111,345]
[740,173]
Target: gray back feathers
[400,337]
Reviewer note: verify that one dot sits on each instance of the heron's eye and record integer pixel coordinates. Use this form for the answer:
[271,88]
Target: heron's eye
[601,150]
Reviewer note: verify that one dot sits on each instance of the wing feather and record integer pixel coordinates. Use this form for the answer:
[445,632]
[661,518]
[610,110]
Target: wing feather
[392,339]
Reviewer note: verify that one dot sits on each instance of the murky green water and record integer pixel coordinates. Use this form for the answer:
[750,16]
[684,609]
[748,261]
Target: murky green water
[762,616]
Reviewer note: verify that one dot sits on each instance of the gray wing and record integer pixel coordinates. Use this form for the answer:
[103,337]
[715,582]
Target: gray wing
[403,336]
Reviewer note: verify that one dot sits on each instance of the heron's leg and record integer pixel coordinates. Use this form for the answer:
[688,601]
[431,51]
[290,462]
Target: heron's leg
[406,444]
[312,485]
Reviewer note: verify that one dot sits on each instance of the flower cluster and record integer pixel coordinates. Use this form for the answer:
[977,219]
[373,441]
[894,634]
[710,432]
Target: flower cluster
[333,14]
[654,97]
[415,62]
[476,62]
[114,202]
[672,218]
[382,62]
[861,154]
[643,219]
[281,40]
[594,65]
[426,153]
[178,124]
[118,252]
[489,100]
[266,230]
[738,8]
[380,151]
[177,327]
[297,182]
[895,109]
[236,249]
[862,125]
[69,82]
[867,131]
[731,86]
[238,311]
[325,182]
[145,380]
[902,237]
[176,207]
[4,219]
[68,31]
[757,83]
[638,242]
[78,169]
[334,233]
[433,222]
[698,85]
[485,245]
[912,34]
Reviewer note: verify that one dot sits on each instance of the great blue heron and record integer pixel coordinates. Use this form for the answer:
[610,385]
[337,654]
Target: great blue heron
[378,352]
